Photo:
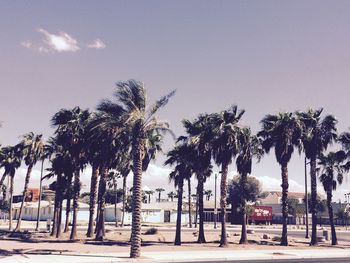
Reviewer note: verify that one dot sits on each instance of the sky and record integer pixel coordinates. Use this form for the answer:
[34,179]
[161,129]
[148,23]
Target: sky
[264,56]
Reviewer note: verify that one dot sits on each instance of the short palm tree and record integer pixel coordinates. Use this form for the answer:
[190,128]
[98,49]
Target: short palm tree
[199,138]
[33,148]
[282,132]
[208,194]
[149,193]
[159,191]
[179,157]
[11,161]
[71,135]
[249,147]
[131,104]
[225,148]
[317,135]
[344,139]
[171,195]
[331,174]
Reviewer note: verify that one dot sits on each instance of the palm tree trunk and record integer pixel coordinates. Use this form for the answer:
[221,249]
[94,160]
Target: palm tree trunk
[93,195]
[11,202]
[223,197]
[66,224]
[124,199]
[40,194]
[101,205]
[330,212]
[313,201]
[189,203]
[115,202]
[201,237]
[68,203]
[76,192]
[138,153]
[2,179]
[284,238]
[59,216]
[55,212]
[179,213]
[244,239]
[26,183]
[196,215]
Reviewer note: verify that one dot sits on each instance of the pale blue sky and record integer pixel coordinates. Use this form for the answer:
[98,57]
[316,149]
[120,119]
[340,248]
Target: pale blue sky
[265,56]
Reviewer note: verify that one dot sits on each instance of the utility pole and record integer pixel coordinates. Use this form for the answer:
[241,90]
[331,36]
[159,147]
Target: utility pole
[215,209]
[306,203]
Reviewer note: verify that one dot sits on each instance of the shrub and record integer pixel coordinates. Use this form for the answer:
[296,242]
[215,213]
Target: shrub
[151,231]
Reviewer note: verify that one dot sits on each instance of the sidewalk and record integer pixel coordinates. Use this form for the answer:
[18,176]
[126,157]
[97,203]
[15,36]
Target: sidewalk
[183,256]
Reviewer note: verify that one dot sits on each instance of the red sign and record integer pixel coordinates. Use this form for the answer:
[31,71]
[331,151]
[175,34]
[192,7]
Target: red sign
[261,213]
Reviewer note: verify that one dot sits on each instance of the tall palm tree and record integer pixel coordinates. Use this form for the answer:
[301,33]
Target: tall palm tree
[318,134]
[249,146]
[33,148]
[71,134]
[180,157]
[331,173]
[130,111]
[199,137]
[189,201]
[225,148]
[159,191]
[11,161]
[282,132]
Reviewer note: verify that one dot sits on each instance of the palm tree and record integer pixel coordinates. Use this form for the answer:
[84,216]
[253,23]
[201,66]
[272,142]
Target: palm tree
[282,132]
[180,157]
[317,135]
[130,112]
[11,160]
[200,136]
[225,148]
[71,134]
[249,146]
[149,193]
[159,191]
[189,201]
[33,148]
[332,173]
[171,195]
[344,139]
[208,194]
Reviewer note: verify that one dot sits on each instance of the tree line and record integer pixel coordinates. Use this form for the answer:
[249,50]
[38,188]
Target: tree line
[124,134]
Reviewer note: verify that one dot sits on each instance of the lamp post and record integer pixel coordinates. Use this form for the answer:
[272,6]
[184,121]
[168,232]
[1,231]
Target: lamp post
[306,203]
[215,209]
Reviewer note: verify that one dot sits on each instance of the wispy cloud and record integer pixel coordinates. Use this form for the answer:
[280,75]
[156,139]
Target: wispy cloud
[97,44]
[63,42]
[26,44]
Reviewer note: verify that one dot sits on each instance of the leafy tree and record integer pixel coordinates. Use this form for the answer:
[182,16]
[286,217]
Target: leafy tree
[282,132]
[317,135]
[295,208]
